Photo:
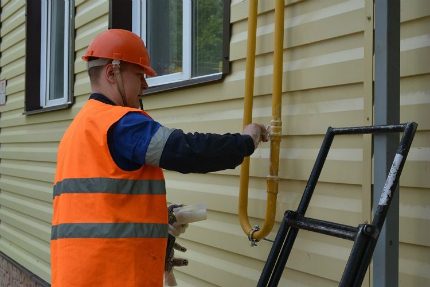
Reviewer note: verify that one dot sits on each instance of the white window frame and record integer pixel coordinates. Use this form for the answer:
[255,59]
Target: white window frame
[139,28]
[46,75]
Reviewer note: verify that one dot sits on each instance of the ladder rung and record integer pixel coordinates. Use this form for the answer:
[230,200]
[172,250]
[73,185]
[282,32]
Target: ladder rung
[321,226]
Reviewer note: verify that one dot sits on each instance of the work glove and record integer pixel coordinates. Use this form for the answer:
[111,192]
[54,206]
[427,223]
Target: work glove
[177,229]
[179,217]
[172,261]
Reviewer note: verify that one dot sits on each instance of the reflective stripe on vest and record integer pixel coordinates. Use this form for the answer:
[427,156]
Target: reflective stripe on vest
[109,230]
[109,185]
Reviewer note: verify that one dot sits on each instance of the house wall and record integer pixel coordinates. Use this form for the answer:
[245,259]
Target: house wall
[27,153]
[327,81]
[324,84]
[29,142]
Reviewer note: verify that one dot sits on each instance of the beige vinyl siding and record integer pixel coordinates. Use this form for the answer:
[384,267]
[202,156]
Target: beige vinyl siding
[323,86]
[27,158]
[414,258]
[327,81]
[29,143]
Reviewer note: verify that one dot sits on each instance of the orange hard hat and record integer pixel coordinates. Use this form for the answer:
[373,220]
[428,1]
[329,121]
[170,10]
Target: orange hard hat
[118,44]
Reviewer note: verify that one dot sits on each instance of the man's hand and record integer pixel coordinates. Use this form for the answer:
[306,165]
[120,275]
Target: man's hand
[257,132]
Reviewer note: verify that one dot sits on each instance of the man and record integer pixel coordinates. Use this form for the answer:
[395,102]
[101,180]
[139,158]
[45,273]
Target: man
[110,225]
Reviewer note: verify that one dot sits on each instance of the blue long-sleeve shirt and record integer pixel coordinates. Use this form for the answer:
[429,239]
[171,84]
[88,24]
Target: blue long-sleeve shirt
[136,140]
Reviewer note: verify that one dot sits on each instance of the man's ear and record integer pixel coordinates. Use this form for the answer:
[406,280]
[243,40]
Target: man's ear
[109,73]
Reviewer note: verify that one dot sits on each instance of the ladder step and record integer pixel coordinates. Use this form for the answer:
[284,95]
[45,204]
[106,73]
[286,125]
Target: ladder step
[293,219]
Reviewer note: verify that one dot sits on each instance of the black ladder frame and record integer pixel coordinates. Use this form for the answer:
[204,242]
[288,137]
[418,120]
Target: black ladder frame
[364,236]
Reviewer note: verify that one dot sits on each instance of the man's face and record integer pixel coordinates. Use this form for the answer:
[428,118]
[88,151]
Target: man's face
[134,83]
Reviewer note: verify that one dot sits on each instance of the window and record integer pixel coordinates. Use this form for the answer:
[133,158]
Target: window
[49,57]
[187,40]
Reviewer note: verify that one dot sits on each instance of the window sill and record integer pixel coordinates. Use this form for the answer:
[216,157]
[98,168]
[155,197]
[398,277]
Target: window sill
[184,84]
[48,109]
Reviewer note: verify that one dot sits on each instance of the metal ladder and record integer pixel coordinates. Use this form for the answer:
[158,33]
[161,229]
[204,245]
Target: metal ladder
[364,236]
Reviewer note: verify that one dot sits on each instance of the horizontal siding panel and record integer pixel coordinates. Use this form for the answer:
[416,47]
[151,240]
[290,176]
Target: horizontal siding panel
[314,256]
[339,106]
[14,101]
[315,72]
[230,93]
[82,85]
[14,16]
[13,53]
[183,279]
[325,76]
[222,230]
[15,85]
[299,35]
[414,265]
[31,225]
[10,7]
[346,172]
[30,151]
[221,192]
[415,94]
[13,69]
[84,34]
[415,62]
[239,8]
[37,133]
[416,174]
[318,123]
[28,243]
[13,119]
[414,31]
[88,11]
[230,269]
[413,9]
[412,229]
[324,29]
[312,72]
[10,39]
[39,190]
[219,267]
[302,30]
[42,171]
[27,205]
[164,104]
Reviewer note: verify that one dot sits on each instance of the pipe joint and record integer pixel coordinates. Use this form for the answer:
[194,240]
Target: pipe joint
[275,129]
[272,184]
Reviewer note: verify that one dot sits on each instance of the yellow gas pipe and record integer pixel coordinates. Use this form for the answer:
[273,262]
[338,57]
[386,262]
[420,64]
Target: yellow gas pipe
[256,233]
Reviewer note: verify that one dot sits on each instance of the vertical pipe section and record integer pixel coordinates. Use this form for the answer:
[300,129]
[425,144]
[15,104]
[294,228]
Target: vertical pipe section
[247,111]
[255,234]
[276,123]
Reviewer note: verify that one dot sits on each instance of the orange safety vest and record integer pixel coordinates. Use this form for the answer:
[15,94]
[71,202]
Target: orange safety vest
[109,226]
